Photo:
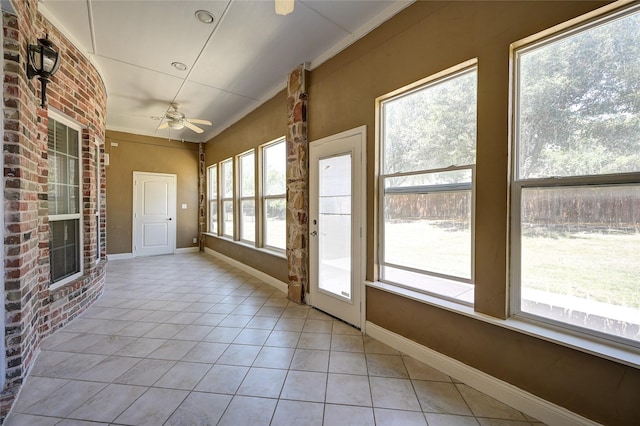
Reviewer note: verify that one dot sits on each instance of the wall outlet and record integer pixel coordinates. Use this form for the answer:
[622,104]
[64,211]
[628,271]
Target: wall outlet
[195,240]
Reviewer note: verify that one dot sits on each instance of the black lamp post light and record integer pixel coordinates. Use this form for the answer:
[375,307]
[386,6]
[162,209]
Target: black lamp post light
[44,61]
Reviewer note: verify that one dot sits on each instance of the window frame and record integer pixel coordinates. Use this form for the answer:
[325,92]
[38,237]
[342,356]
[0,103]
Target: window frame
[517,184]
[428,278]
[67,122]
[225,199]
[242,198]
[211,200]
[266,198]
[98,178]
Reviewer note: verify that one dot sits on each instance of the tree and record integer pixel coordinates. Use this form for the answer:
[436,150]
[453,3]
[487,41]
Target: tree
[579,103]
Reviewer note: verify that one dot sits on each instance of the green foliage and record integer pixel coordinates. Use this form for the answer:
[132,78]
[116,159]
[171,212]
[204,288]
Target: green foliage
[433,127]
[579,103]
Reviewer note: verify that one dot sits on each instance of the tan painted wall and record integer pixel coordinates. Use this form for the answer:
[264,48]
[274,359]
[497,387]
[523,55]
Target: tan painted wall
[263,125]
[148,154]
[426,38]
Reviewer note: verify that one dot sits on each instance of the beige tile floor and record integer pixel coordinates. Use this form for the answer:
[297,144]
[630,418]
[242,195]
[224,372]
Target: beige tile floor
[189,340]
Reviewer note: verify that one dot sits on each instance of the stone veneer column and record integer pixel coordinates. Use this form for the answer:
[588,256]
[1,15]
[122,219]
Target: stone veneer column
[297,184]
[202,206]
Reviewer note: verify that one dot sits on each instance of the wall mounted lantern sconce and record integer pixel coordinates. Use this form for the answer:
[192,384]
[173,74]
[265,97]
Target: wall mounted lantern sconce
[43,61]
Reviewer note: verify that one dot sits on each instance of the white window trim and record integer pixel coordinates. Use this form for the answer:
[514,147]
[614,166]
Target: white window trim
[591,341]
[444,75]
[242,198]
[211,200]
[265,198]
[52,114]
[99,170]
[223,198]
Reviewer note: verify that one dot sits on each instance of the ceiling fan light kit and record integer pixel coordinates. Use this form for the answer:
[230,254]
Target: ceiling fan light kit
[176,124]
[284,7]
[176,120]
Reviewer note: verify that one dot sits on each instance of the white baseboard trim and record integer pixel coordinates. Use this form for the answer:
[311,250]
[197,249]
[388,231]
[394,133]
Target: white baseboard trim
[283,287]
[186,250]
[517,398]
[119,256]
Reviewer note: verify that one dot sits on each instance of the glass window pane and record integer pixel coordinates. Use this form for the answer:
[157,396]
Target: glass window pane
[227,179]
[72,138]
[433,127]
[428,227]
[275,226]
[227,218]
[427,222]
[579,258]
[213,182]
[248,220]
[64,248]
[275,166]
[213,216]
[61,136]
[51,135]
[578,109]
[247,175]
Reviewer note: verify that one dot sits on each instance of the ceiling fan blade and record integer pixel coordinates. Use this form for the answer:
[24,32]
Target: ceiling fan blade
[163,125]
[192,127]
[199,121]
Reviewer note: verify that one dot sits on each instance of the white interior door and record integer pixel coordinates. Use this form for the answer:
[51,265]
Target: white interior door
[154,214]
[336,242]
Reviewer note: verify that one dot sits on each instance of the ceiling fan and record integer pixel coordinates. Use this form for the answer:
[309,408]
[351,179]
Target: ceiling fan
[177,120]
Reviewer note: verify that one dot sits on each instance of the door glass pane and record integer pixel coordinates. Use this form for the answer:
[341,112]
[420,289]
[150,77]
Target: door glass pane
[334,225]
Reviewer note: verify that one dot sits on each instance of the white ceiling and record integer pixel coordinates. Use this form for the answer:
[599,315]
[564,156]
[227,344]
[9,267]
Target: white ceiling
[234,64]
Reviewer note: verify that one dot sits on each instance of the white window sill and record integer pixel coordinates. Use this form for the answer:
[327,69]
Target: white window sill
[612,351]
[272,252]
[66,281]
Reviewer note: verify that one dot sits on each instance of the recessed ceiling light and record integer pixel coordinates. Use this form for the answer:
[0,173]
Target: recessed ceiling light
[204,16]
[179,66]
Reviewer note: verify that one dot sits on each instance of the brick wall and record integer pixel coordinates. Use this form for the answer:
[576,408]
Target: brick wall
[32,309]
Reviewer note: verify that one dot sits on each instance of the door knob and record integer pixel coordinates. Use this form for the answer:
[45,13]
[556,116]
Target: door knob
[170,219]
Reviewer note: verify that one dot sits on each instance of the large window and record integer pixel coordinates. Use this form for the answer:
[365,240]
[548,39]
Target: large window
[98,186]
[274,194]
[247,200]
[212,176]
[226,186]
[65,244]
[428,153]
[576,178]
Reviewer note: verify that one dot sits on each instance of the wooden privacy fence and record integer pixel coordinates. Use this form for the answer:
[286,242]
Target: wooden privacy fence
[599,208]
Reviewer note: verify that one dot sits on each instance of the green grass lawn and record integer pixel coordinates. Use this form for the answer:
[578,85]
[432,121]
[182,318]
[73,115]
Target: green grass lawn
[592,266]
